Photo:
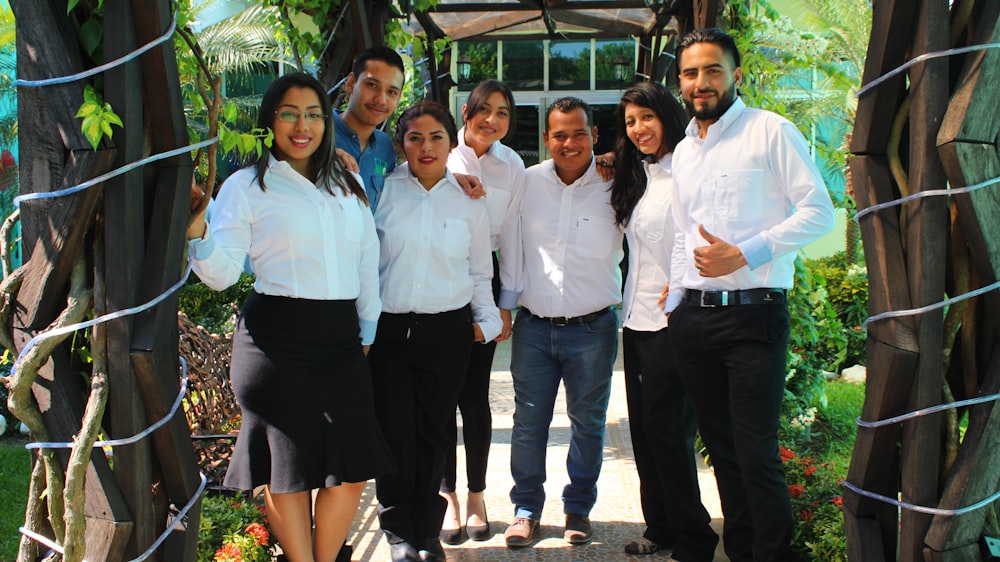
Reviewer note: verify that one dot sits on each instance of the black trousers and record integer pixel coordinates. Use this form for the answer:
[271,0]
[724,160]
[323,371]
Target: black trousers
[477,419]
[418,363]
[662,425]
[732,363]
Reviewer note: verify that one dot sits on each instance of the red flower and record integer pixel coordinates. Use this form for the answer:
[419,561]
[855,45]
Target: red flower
[229,551]
[810,470]
[806,515]
[259,533]
[6,159]
[796,490]
[786,454]
[838,501]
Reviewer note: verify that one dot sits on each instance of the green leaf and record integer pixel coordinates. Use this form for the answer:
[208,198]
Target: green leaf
[91,35]
[92,131]
[70,5]
[229,141]
[231,112]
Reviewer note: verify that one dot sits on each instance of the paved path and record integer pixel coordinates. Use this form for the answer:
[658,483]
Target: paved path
[617,517]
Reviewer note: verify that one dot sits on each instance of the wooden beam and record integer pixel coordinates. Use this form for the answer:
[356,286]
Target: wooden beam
[118,265]
[974,475]
[887,49]
[499,7]
[362,36]
[585,19]
[927,258]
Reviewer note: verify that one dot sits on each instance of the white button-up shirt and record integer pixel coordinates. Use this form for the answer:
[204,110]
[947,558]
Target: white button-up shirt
[502,172]
[301,241]
[435,250]
[567,248]
[650,235]
[752,183]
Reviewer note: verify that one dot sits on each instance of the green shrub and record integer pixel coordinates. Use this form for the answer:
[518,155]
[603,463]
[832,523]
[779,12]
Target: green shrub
[233,528]
[816,448]
[847,290]
[215,310]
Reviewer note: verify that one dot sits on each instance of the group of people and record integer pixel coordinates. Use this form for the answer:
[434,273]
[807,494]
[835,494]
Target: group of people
[381,291]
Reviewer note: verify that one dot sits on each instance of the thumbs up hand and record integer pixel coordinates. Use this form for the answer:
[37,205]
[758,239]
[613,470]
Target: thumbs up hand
[718,258]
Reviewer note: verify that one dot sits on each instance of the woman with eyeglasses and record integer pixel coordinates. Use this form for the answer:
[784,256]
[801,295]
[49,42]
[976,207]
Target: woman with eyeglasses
[298,361]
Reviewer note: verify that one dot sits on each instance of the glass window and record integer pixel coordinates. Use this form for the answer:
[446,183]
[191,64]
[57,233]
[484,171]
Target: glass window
[607,127]
[569,65]
[522,64]
[526,136]
[614,64]
[482,58]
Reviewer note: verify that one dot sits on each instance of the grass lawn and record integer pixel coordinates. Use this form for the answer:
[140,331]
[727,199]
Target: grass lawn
[15,471]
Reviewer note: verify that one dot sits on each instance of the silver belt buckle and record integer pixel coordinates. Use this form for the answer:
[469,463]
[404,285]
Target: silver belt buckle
[723,298]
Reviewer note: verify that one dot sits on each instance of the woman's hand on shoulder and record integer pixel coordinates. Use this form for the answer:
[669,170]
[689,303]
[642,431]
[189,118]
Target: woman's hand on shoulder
[471,184]
[348,161]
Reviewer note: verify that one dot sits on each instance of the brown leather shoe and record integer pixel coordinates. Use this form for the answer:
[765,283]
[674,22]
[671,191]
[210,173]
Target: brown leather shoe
[521,532]
[578,529]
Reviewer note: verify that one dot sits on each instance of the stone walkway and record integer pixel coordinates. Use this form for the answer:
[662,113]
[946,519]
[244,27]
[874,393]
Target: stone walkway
[617,517]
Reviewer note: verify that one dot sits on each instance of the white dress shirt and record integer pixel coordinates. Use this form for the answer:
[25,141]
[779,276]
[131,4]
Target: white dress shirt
[569,246]
[752,183]
[502,172]
[301,241]
[435,250]
[650,235]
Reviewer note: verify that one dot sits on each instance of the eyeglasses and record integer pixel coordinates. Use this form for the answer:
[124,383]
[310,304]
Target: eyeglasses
[289,116]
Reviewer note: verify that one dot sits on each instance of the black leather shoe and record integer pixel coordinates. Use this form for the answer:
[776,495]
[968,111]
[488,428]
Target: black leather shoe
[432,551]
[479,532]
[403,552]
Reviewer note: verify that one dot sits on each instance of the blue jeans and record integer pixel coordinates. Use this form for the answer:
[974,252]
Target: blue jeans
[582,356]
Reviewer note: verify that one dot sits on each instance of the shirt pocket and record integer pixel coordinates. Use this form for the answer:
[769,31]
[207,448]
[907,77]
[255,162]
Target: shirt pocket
[594,236]
[652,225]
[741,193]
[456,239]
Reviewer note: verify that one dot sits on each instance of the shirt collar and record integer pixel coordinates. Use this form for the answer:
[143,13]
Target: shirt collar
[402,172]
[588,177]
[493,150]
[339,125]
[724,122]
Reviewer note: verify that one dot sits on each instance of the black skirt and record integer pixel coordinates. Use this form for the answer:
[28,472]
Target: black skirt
[305,391]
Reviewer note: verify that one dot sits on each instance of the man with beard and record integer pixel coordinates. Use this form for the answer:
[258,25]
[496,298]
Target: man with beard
[748,197]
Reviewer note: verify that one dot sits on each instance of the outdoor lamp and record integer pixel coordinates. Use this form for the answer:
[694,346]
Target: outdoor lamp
[464,68]
[621,68]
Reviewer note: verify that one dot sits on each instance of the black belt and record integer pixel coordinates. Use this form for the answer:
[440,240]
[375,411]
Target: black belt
[711,299]
[566,321]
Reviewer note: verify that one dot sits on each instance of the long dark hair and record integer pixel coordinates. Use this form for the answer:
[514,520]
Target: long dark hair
[482,92]
[326,166]
[630,177]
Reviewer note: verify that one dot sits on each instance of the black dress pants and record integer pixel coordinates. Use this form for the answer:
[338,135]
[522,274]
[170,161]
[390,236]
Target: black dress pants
[418,362]
[477,419]
[732,363]
[662,425]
